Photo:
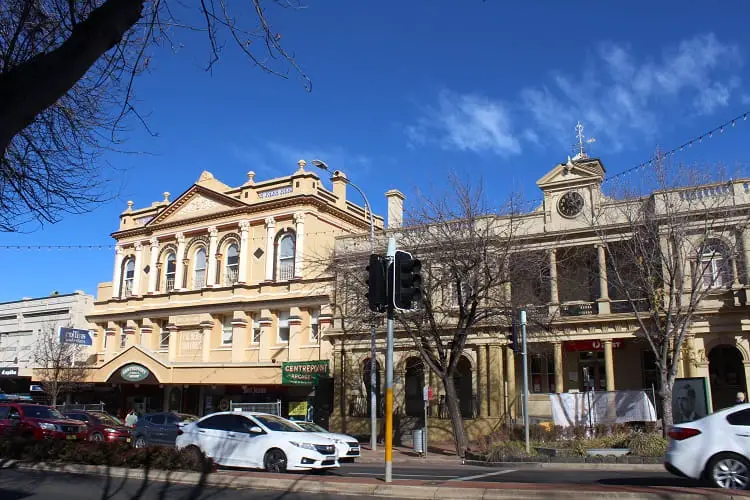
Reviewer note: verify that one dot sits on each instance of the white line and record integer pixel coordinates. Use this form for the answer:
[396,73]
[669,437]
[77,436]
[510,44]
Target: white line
[397,474]
[496,473]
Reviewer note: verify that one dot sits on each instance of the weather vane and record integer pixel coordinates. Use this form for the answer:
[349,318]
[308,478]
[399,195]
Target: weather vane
[582,141]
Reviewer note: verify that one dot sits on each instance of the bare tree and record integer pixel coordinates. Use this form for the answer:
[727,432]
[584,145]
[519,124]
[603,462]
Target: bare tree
[67,72]
[58,366]
[469,255]
[672,243]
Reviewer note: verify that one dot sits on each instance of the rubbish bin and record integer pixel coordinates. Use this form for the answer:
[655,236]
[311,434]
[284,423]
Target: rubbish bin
[417,438]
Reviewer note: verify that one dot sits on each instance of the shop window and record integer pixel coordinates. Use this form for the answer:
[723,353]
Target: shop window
[283,333]
[314,327]
[226,330]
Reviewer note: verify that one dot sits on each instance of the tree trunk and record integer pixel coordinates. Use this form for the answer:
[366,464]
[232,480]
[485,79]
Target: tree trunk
[457,422]
[666,404]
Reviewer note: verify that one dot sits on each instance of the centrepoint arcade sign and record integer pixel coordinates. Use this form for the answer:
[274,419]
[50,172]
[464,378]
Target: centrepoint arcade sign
[134,372]
[75,336]
[303,372]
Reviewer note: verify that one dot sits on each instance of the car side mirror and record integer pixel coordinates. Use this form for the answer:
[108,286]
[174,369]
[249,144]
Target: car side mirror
[255,430]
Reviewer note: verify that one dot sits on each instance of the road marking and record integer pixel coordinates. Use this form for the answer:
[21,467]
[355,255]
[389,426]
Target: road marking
[398,474]
[489,474]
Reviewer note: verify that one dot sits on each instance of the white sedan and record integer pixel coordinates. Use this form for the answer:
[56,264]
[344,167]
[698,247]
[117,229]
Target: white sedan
[714,448]
[257,440]
[347,447]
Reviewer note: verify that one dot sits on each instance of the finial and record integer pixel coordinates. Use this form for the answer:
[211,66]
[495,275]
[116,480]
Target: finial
[130,205]
[166,196]
[301,164]
[250,177]
[581,141]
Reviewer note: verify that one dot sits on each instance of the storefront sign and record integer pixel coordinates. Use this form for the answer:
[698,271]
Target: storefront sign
[9,371]
[75,336]
[591,345]
[134,373]
[303,372]
[298,409]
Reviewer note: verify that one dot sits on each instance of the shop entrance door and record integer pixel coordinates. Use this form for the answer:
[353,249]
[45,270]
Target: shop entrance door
[591,372]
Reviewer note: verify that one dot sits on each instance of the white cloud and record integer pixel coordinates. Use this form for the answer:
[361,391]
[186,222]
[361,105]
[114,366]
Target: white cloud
[746,99]
[466,122]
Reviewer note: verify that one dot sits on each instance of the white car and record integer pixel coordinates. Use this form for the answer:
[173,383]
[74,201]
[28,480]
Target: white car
[347,447]
[714,448]
[258,440]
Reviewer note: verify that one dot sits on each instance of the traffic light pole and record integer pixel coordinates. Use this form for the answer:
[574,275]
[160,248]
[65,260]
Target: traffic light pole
[389,379]
[525,382]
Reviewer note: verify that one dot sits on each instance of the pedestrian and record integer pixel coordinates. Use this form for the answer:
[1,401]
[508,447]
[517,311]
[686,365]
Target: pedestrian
[740,398]
[132,418]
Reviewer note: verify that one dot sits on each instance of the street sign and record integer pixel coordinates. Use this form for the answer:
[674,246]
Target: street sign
[75,336]
[427,393]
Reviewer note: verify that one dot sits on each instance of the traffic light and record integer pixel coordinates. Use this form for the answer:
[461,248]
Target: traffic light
[513,337]
[377,291]
[407,282]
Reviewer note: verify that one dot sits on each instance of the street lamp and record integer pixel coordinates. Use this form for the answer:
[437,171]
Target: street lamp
[373,360]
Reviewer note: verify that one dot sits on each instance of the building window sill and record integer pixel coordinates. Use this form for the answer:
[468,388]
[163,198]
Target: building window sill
[224,348]
[164,350]
[308,346]
[257,348]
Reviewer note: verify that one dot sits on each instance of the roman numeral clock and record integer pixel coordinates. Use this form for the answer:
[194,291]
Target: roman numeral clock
[570,204]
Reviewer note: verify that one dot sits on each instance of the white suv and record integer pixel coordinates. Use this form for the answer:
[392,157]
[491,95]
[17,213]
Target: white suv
[257,440]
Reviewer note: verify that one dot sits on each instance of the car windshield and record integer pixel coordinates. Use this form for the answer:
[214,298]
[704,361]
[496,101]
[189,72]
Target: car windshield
[277,423]
[311,427]
[41,412]
[107,419]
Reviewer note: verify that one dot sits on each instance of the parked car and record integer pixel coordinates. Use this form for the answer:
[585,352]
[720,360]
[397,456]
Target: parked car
[38,422]
[102,426]
[347,447]
[258,440]
[715,448]
[159,429]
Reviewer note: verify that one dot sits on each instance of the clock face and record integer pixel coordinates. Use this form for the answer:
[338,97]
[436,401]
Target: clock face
[570,204]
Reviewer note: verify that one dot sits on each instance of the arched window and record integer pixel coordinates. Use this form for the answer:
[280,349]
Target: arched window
[170,271]
[233,265]
[285,260]
[199,278]
[714,264]
[128,276]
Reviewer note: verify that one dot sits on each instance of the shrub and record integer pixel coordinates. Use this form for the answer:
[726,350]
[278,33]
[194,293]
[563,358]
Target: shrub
[500,451]
[648,445]
[110,454]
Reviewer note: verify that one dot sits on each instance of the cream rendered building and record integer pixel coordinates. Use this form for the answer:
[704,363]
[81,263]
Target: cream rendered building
[595,336]
[216,293]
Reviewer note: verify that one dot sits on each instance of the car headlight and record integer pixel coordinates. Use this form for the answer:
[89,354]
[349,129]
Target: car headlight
[47,426]
[307,446]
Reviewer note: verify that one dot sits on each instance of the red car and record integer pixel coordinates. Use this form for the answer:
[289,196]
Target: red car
[101,426]
[38,422]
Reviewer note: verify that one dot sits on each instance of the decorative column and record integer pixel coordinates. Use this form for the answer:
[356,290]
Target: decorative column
[244,251]
[240,340]
[173,342]
[746,249]
[153,268]
[138,269]
[179,275]
[691,356]
[496,383]
[482,375]
[510,377]
[299,221]
[117,276]
[211,268]
[603,301]
[609,365]
[270,228]
[207,339]
[553,295]
[558,356]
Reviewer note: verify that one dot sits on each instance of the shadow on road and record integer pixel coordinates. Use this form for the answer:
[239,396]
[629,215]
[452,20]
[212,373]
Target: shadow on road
[652,481]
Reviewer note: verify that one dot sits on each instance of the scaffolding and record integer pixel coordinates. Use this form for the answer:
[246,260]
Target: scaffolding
[272,408]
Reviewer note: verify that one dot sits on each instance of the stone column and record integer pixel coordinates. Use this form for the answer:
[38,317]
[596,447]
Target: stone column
[691,356]
[117,276]
[297,334]
[173,342]
[603,301]
[609,365]
[510,377]
[496,383]
[746,250]
[207,336]
[735,271]
[153,267]
[482,381]
[244,251]
[211,267]
[554,297]
[299,221]
[559,375]
[179,275]
[270,227]
[240,340]
[138,269]
[267,336]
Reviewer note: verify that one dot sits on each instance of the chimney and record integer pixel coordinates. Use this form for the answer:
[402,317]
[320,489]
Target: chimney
[395,208]
[339,181]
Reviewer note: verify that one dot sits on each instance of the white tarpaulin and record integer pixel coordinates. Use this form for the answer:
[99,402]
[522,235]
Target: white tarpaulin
[592,408]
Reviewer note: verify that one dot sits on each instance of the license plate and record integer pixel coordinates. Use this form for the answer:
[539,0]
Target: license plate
[71,438]
[331,457]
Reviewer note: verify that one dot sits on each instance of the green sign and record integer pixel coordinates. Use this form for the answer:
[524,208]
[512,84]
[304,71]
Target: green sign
[303,372]
[134,372]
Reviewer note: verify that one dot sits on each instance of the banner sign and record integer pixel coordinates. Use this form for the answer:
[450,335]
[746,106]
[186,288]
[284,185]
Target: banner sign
[303,372]
[298,409]
[75,336]
[134,372]
[9,371]
[591,345]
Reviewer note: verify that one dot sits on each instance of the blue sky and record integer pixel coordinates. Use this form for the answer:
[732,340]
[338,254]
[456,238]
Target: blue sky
[404,92]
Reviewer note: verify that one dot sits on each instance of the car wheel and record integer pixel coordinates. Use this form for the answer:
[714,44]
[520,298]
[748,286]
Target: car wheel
[97,436]
[140,442]
[729,471]
[274,461]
